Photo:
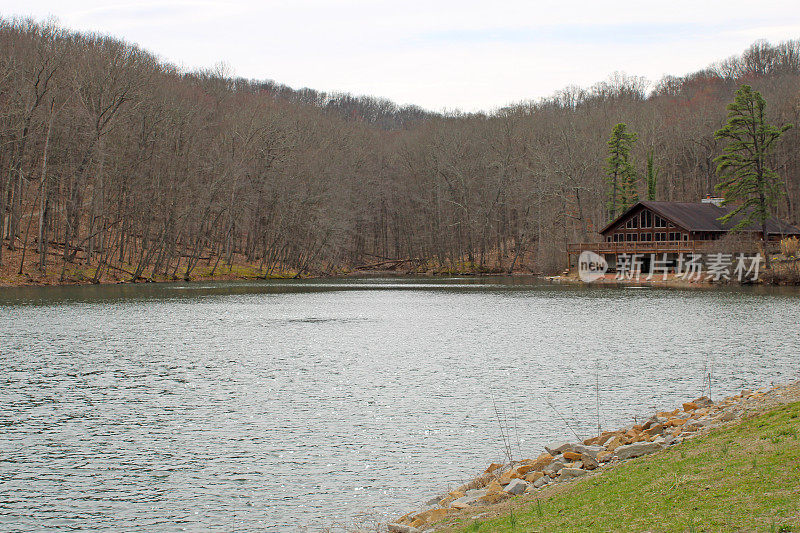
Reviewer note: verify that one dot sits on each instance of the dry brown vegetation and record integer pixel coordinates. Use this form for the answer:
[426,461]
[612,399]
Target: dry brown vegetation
[113,164]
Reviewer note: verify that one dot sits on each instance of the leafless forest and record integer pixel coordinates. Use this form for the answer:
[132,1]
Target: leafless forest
[114,160]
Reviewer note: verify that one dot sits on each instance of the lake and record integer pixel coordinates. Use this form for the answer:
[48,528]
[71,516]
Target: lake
[298,405]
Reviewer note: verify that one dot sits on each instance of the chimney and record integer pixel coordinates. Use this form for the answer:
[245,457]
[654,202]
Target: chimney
[713,200]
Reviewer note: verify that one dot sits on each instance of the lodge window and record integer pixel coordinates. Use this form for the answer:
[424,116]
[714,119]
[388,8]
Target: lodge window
[647,219]
[647,236]
[685,236]
[660,222]
[673,236]
[634,237]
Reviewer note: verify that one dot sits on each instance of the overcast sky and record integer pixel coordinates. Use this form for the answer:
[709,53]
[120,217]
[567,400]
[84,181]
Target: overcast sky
[435,54]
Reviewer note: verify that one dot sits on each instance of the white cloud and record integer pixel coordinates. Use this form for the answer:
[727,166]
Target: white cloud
[470,55]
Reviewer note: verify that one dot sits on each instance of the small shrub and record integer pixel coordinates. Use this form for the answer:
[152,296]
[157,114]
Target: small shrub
[790,247]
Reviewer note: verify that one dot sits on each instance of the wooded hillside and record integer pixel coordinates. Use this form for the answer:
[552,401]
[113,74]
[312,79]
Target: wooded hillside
[119,161]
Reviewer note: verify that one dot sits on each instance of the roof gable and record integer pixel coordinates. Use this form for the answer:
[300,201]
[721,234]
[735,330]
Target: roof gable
[696,216]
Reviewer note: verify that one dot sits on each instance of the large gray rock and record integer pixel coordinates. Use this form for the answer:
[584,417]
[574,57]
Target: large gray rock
[541,482]
[653,420]
[589,462]
[637,448]
[588,450]
[569,473]
[558,448]
[470,497]
[401,528]
[517,486]
[553,468]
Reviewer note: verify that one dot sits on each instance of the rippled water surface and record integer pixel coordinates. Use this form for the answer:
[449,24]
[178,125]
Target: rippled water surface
[294,406]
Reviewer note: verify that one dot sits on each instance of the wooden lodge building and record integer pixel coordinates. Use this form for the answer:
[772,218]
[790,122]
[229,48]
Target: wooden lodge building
[672,228]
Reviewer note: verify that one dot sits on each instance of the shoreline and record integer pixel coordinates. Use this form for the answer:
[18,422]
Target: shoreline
[609,280]
[211,267]
[25,280]
[562,464]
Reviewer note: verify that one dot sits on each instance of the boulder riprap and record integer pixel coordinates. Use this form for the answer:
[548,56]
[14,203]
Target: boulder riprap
[637,449]
[541,482]
[470,498]
[517,486]
[569,473]
[559,448]
[589,462]
[565,461]
[553,468]
[588,450]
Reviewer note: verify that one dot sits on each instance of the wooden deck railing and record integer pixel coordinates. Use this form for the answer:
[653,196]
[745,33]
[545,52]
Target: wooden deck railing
[636,247]
[652,247]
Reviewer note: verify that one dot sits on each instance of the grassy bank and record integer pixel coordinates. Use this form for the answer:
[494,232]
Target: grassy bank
[744,477]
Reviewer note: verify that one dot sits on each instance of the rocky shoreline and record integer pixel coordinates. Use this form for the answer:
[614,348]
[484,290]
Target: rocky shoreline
[563,462]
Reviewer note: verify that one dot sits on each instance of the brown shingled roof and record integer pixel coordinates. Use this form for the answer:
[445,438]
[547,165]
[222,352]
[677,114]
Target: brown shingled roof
[696,216]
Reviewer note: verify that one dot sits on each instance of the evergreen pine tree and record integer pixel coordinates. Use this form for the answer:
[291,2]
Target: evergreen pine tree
[620,172]
[747,179]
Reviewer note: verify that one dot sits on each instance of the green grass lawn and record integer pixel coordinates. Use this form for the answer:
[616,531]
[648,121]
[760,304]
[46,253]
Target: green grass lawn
[744,477]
